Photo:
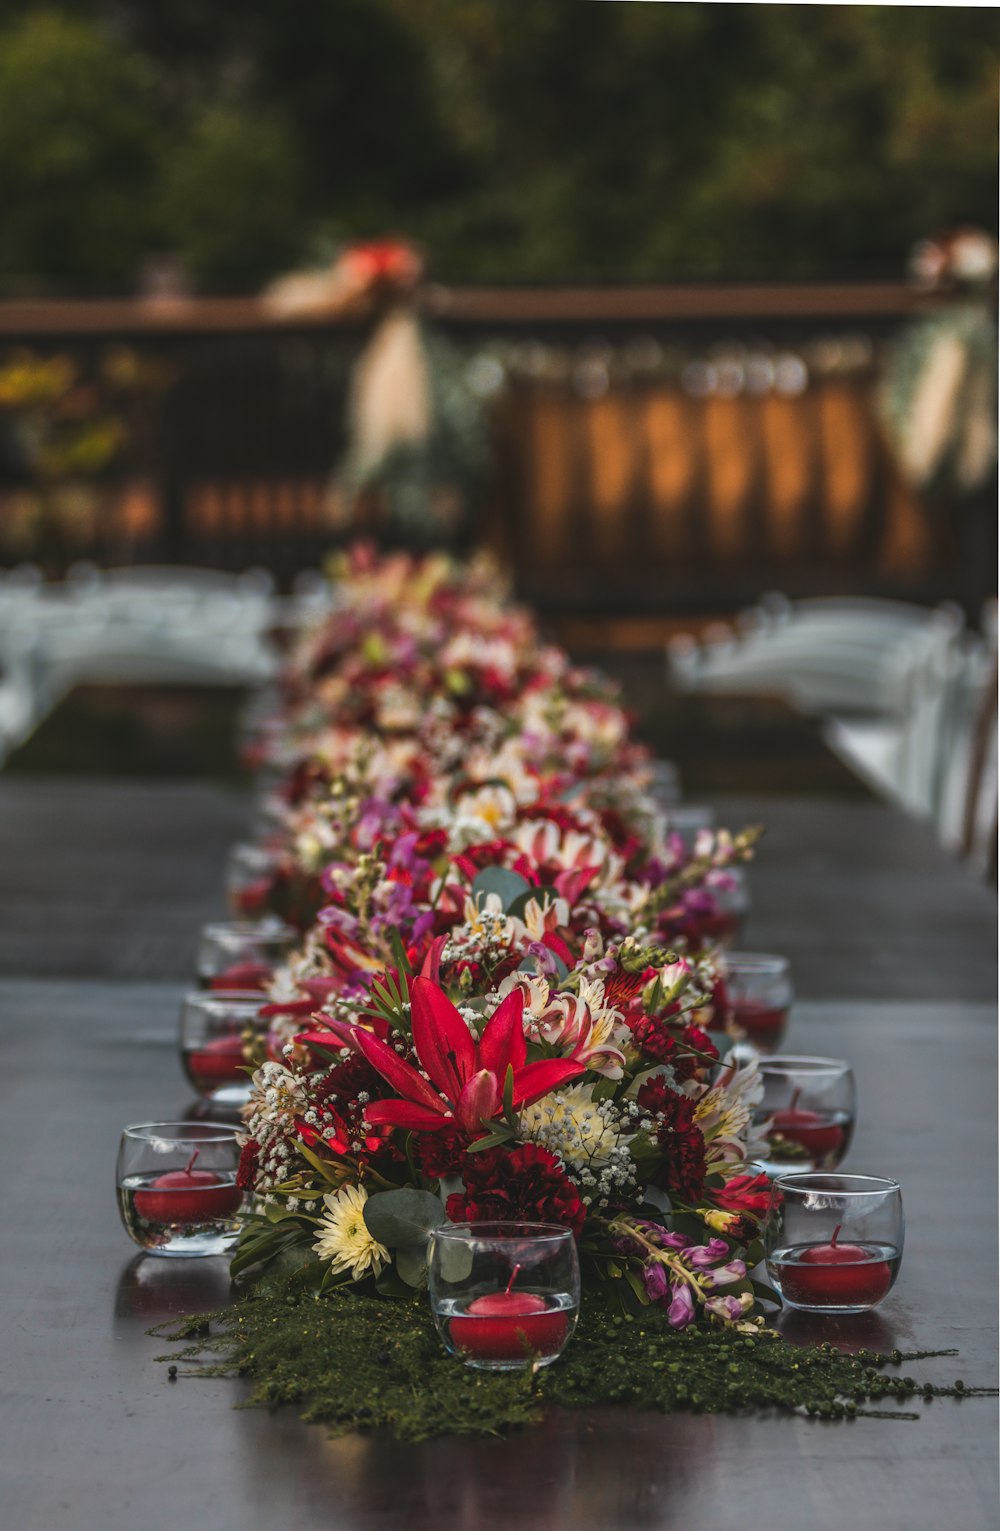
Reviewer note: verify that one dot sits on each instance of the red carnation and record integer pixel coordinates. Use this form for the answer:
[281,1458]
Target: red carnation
[652,1038]
[441,1153]
[526,1184]
[681,1140]
[346,1081]
[687,1065]
[246,1171]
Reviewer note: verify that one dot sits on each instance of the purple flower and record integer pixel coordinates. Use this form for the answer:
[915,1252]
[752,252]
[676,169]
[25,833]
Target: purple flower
[404,855]
[654,1278]
[729,1309]
[681,1310]
[722,1275]
[422,925]
[339,919]
[708,1254]
[657,1234]
[548,964]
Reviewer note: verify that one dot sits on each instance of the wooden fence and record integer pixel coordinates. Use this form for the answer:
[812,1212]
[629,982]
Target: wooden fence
[681,448]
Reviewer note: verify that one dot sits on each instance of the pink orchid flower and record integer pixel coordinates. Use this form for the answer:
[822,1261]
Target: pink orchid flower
[466,1078]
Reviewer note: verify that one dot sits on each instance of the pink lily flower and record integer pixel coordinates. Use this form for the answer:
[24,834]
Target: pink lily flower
[466,1078]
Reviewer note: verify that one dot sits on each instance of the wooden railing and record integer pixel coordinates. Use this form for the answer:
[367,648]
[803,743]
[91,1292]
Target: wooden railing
[693,486]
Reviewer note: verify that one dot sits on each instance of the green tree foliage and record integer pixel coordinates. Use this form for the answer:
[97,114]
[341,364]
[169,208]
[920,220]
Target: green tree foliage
[518,140]
[230,197]
[76,138]
[680,140]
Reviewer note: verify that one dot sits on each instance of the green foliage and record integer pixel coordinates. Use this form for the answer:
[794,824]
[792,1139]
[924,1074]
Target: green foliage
[76,144]
[665,141]
[354,1362]
[518,141]
[230,197]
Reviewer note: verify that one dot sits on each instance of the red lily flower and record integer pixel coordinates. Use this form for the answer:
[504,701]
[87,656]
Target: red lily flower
[469,1077]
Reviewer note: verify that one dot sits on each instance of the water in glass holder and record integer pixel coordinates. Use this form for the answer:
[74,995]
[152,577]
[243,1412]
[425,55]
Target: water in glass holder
[504,1295]
[218,1035]
[807,1113]
[242,954]
[834,1243]
[177,1191]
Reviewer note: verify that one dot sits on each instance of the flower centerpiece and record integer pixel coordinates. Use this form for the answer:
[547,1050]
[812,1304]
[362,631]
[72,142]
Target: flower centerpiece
[494,1010]
[497,1013]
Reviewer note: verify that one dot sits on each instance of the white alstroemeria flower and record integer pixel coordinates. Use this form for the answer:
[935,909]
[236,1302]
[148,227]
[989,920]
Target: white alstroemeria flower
[534,987]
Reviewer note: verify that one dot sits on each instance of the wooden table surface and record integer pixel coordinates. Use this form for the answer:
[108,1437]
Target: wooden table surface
[102,888]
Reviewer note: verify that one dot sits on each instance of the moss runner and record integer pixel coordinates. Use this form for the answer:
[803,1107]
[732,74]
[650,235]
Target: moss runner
[354,1362]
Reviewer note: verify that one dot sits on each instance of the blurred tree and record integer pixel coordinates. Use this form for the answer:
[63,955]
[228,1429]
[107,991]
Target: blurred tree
[518,141]
[664,141]
[230,197]
[76,153]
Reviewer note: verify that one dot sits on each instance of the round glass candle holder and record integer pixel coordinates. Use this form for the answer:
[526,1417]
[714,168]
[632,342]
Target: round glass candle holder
[218,1032]
[834,1243]
[731,898]
[807,1113]
[504,1295]
[250,873]
[666,783]
[759,996]
[242,954]
[177,1191]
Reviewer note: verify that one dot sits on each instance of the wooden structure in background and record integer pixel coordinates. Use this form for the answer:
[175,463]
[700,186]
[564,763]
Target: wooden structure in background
[644,498]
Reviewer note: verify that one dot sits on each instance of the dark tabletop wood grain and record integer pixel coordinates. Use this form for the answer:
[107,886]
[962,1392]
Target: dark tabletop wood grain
[104,884]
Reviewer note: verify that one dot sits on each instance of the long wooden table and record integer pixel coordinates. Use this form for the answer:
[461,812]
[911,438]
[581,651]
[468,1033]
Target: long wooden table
[102,888]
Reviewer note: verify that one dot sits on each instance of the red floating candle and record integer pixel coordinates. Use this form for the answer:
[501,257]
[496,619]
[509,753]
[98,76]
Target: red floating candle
[508,1326]
[188,1196]
[242,975]
[220,1061]
[809,1129]
[252,897]
[761,1021]
[835,1275]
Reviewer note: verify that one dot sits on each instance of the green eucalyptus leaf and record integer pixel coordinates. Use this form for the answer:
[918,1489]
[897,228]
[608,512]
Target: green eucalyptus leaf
[405,1216]
[521,903]
[411,1264]
[508,886]
[765,1293]
[388,1284]
[454,1260]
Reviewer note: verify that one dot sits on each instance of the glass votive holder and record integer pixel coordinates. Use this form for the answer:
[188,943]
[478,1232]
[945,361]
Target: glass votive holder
[504,1295]
[243,954]
[666,783]
[177,1190]
[250,871]
[758,997]
[834,1243]
[807,1114]
[732,901]
[219,1035]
